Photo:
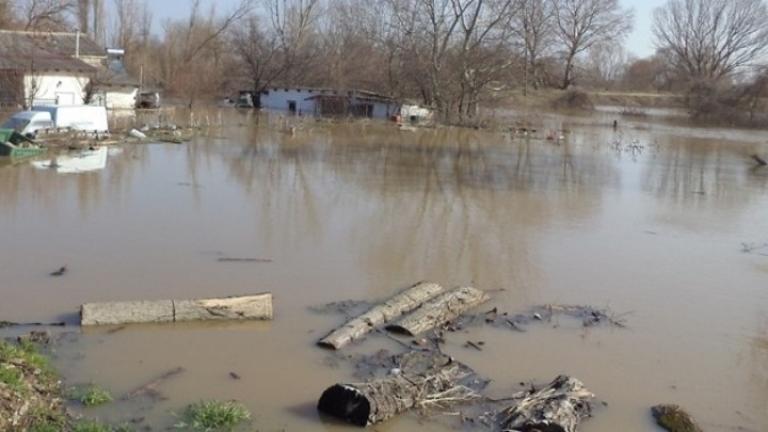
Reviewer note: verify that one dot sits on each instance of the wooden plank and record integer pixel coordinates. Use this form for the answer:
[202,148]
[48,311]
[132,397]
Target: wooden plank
[390,310]
[255,307]
[560,406]
[252,307]
[114,313]
[442,309]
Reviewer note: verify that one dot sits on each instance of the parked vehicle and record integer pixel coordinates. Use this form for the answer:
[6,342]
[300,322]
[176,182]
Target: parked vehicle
[245,100]
[77,117]
[149,100]
[28,123]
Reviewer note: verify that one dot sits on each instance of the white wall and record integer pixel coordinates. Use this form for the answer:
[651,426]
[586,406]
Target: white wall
[121,97]
[55,88]
[277,100]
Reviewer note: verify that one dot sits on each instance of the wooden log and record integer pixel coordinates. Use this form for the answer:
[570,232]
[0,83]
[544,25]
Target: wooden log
[674,419]
[393,308]
[378,400]
[760,161]
[442,309]
[558,407]
[253,307]
[150,388]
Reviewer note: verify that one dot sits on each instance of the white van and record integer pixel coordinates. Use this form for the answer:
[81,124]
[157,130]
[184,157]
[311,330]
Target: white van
[77,117]
[28,123]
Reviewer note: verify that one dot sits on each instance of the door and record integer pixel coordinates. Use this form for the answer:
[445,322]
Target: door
[292,107]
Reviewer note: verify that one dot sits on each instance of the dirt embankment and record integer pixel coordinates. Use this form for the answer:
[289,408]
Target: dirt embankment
[30,393]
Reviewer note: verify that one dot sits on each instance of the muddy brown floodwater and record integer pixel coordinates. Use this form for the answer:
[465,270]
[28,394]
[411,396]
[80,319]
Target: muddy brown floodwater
[648,219]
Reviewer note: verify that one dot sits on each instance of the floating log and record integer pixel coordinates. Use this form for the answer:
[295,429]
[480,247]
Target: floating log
[253,307]
[378,400]
[393,308]
[150,388]
[674,419]
[558,407]
[444,308]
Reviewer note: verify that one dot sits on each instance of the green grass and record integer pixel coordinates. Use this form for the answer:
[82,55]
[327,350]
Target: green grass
[26,353]
[89,395]
[12,377]
[90,426]
[213,416]
[44,420]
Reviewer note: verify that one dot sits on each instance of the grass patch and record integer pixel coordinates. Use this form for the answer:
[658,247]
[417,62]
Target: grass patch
[26,353]
[90,395]
[214,416]
[90,426]
[11,377]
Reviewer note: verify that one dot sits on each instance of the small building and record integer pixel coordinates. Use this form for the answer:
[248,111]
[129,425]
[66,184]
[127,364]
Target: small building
[52,68]
[113,87]
[34,72]
[328,102]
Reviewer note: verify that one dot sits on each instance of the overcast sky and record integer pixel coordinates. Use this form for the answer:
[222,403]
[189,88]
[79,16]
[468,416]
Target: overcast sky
[639,42]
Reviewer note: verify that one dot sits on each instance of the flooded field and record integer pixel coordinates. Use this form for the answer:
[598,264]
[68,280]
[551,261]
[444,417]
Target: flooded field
[648,220]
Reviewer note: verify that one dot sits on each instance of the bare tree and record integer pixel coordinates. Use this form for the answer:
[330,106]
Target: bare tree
[533,24]
[484,27]
[580,24]
[7,16]
[84,15]
[710,39]
[46,15]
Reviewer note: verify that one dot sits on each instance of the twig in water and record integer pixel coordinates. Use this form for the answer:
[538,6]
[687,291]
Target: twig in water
[256,260]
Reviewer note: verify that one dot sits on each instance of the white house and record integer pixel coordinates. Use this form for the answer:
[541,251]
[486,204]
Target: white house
[43,68]
[34,72]
[328,102]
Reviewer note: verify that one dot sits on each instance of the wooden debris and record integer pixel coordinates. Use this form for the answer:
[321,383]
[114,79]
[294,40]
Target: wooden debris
[59,272]
[674,419]
[558,407]
[240,260]
[150,388]
[760,161]
[253,307]
[377,400]
[443,309]
[393,308]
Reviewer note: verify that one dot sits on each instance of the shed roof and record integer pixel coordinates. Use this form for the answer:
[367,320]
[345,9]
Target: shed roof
[42,51]
[59,43]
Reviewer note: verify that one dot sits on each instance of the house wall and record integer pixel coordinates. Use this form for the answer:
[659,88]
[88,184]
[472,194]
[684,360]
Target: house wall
[383,110]
[46,88]
[121,97]
[277,100]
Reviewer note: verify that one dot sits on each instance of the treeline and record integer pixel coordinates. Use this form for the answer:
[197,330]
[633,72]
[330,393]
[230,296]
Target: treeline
[450,54]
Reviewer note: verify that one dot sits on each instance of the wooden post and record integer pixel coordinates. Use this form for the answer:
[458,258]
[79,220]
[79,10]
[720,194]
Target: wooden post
[444,308]
[253,307]
[560,406]
[393,308]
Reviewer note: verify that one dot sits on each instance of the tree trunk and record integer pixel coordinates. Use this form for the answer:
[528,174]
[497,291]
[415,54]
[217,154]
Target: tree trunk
[445,308]
[558,407]
[568,75]
[393,308]
[254,307]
